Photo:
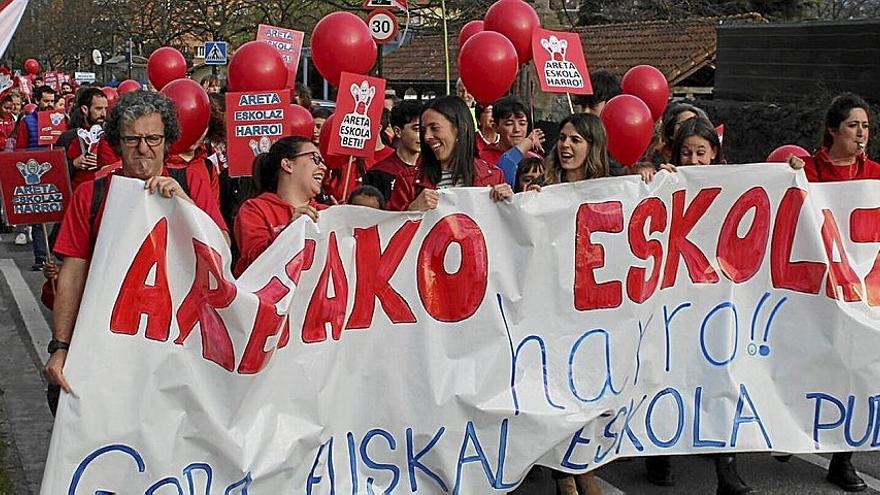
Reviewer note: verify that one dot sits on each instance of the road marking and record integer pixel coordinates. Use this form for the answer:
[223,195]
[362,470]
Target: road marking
[818,460]
[34,322]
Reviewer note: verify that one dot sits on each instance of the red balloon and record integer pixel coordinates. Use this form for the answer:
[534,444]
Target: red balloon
[487,64]
[629,127]
[193,111]
[165,65]
[112,94]
[782,153]
[30,107]
[128,86]
[257,66]
[301,122]
[332,161]
[469,30]
[341,42]
[517,21]
[31,66]
[650,85]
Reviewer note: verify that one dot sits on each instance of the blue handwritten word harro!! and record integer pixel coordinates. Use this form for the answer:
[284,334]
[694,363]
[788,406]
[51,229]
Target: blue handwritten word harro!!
[238,488]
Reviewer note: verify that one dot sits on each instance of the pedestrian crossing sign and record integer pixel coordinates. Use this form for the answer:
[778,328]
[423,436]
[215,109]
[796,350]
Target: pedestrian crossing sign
[215,53]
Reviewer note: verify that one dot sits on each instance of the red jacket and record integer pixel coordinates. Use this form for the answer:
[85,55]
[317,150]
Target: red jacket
[334,181]
[410,183]
[259,221]
[820,169]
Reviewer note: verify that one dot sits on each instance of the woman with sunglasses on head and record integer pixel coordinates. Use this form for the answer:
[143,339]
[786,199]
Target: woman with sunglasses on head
[448,159]
[288,178]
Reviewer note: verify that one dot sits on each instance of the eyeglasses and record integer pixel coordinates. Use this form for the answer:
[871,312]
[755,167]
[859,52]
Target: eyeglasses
[316,157]
[152,140]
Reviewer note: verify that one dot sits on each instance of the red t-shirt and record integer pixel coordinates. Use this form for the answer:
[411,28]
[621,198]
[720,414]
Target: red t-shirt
[491,153]
[107,157]
[482,143]
[259,221]
[76,236]
[334,181]
[392,165]
[200,161]
[819,168]
[7,127]
[410,183]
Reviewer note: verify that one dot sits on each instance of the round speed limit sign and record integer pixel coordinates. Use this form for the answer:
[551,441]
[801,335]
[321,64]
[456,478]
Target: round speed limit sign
[383,25]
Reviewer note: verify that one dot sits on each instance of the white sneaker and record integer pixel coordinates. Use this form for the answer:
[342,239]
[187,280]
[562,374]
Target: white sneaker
[21,239]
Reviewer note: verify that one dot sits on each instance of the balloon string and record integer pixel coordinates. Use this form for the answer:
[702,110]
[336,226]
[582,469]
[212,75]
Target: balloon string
[445,43]
[405,27]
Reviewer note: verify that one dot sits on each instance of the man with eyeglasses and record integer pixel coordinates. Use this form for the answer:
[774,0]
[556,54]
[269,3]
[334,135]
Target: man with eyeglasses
[140,128]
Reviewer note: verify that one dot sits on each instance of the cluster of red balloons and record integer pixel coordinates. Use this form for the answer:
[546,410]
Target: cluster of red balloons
[492,50]
[629,117]
[166,70]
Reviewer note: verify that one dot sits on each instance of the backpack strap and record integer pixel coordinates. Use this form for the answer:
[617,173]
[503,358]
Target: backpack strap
[179,174]
[99,193]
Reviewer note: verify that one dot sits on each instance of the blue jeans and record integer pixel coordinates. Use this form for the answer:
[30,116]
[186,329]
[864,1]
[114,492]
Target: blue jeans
[40,254]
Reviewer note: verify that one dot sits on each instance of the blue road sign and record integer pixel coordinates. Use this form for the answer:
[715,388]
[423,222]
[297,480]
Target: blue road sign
[215,53]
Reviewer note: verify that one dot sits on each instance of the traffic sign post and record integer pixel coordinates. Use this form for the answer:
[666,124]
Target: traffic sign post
[383,25]
[215,53]
[385,4]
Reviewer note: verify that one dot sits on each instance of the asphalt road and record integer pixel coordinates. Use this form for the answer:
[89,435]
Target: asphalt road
[25,422]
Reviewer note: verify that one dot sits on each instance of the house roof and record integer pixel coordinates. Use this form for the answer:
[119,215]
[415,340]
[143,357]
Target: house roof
[678,48]
[422,60]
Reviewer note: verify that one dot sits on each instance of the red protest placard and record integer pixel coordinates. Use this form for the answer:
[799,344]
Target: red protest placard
[35,186]
[358,119]
[254,121]
[25,85]
[560,62]
[52,124]
[288,42]
[51,80]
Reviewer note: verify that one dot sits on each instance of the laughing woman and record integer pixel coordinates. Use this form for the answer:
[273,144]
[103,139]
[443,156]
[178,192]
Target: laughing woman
[288,177]
[448,141]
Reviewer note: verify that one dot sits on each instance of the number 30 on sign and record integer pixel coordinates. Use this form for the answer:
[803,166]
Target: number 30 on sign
[383,25]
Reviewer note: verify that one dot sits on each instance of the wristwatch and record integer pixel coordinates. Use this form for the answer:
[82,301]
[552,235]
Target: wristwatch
[57,345]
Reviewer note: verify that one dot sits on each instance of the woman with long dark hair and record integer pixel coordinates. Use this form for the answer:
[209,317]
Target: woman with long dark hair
[845,134]
[842,157]
[288,178]
[448,159]
[580,153]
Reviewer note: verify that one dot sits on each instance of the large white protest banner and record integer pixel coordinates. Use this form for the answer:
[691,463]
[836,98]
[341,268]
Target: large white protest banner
[728,308]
